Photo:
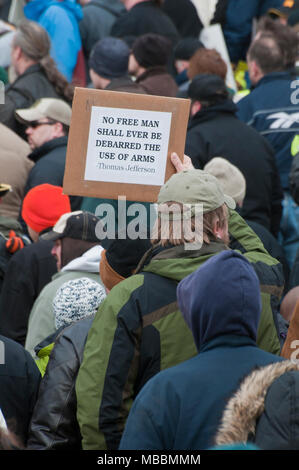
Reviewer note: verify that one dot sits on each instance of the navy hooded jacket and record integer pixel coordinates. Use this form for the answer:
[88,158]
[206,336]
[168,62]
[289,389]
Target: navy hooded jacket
[180,408]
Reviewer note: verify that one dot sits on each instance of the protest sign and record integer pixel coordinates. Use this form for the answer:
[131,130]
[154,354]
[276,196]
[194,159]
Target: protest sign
[120,143]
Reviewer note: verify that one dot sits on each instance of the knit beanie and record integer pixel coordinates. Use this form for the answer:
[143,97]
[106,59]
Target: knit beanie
[151,50]
[109,58]
[231,179]
[43,205]
[77,299]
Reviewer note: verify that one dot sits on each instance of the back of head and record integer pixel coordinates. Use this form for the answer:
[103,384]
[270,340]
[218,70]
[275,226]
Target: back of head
[77,299]
[121,259]
[152,50]
[43,205]
[35,44]
[109,58]
[236,308]
[190,206]
[275,47]
[231,179]
[186,48]
[208,89]
[207,61]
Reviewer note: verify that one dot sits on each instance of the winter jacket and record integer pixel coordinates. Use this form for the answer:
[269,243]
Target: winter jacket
[22,93]
[139,330]
[19,383]
[61,21]
[97,21]
[54,425]
[274,119]
[14,170]
[157,81]
[264,409]
[27,272]
[181,407]
[145,17]
[49,167]
[216,131]
[124,84]
[8,226]
[184,16]
[41,320]
[237,28]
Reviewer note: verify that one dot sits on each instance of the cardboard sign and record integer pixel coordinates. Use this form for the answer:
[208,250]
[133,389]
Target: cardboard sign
[120,143]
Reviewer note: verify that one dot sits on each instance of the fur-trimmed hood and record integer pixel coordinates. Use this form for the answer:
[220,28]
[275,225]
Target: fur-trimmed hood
[255,405]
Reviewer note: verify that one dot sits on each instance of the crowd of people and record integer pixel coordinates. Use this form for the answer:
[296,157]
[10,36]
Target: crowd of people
[186,337]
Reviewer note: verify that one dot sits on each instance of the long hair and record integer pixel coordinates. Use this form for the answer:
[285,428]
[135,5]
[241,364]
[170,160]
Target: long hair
[175,232]
[35,44]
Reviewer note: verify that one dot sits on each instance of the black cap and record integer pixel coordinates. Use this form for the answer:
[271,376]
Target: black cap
[79,225]
[186,47]
[206,87]
[124,255]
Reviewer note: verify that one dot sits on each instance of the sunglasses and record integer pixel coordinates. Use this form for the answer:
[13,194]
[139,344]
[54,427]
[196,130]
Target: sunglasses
[35,124]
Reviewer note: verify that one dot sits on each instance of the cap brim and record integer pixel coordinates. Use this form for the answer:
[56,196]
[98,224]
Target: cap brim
[229,201]
[28,115]
[50,236]
[282,11]
[4,189]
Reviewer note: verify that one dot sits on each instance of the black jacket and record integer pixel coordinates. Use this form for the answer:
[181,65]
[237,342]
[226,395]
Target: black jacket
[143,18]
[216,131]
[54,425]
[27,272]
[19,383]
[49,161]
[49,167]
[22,93]
[184,15]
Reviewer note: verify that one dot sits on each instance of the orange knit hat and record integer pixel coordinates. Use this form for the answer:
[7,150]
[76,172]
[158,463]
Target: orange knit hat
[43,205]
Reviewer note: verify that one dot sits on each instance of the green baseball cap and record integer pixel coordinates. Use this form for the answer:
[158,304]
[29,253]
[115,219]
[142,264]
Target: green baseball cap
[195,187]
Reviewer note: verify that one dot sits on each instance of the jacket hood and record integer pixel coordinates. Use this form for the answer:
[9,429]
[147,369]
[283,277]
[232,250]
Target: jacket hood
[245,408]
[34,9]
[88,262]
[236,308]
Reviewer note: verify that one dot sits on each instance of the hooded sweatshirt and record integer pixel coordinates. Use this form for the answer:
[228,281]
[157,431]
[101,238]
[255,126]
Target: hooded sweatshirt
[224,327]
[61,21]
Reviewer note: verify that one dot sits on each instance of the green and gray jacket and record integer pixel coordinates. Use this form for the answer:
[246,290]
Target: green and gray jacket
[138,331]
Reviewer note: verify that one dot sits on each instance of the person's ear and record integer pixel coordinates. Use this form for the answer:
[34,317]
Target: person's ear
[195,107]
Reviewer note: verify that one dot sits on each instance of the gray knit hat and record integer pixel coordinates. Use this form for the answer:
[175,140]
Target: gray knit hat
[77,299]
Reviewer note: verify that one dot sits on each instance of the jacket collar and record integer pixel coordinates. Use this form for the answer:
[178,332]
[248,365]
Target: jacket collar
[271,77]
[39,152]
[231,341]
[207,114]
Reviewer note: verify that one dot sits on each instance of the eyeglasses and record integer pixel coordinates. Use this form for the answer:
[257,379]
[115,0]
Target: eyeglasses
[35,124]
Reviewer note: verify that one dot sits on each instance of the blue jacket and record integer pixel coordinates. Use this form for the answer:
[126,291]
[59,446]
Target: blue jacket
[61,21]
[238,25]
[180,408]
[272,109]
